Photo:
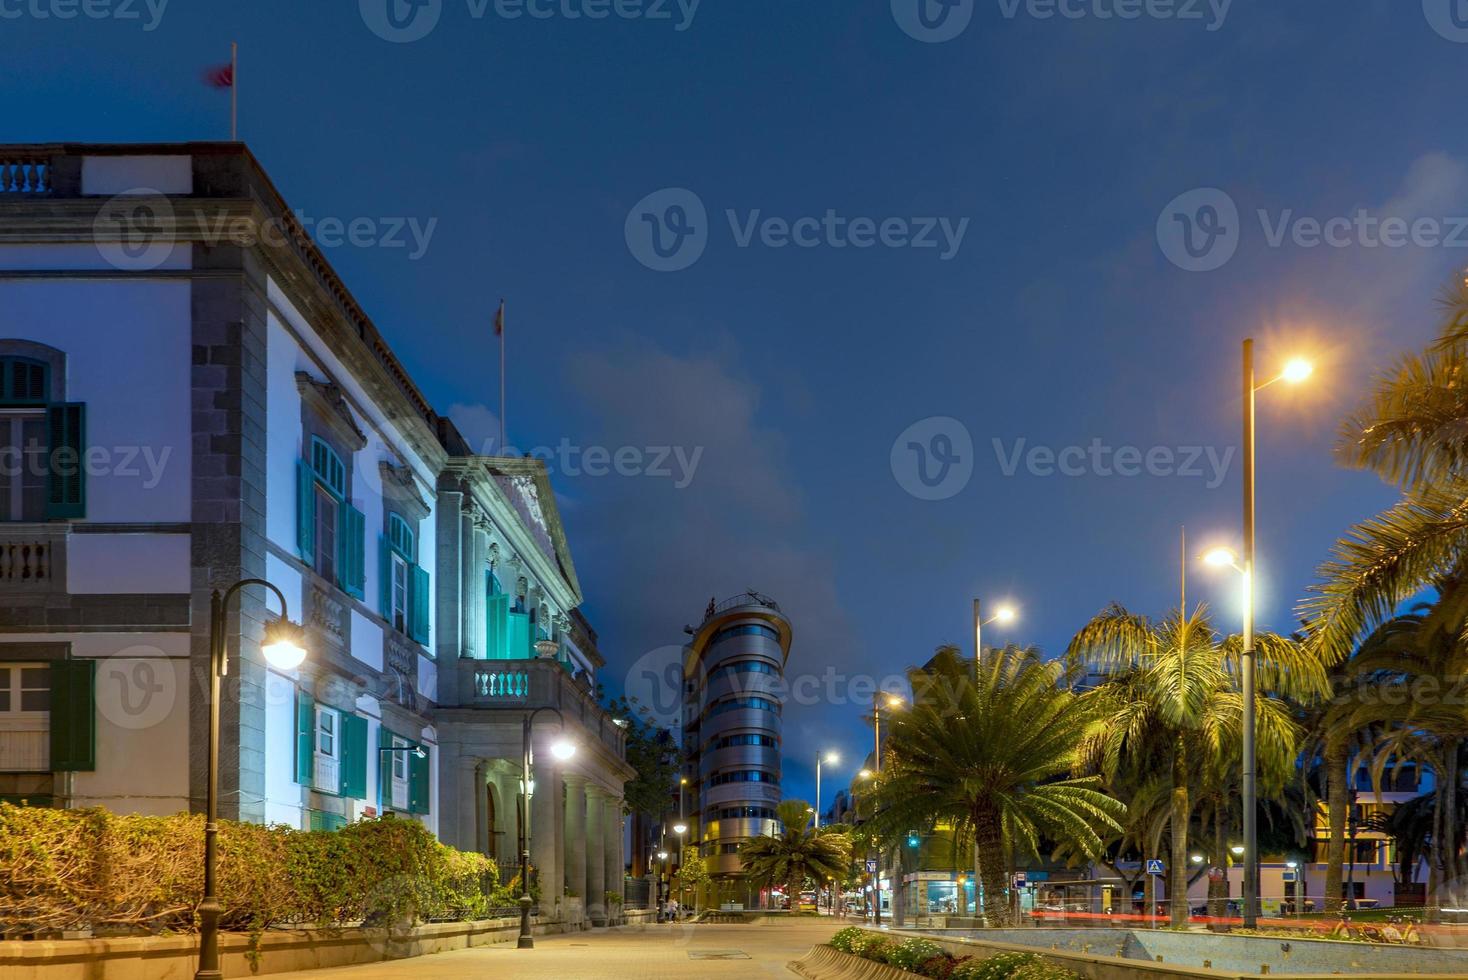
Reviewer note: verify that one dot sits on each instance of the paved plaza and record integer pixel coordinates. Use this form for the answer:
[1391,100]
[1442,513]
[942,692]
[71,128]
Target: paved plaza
[657,952]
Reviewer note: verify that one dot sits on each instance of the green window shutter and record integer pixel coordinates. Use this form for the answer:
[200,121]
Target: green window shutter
[306,512]
[327,821]
[384,767]
[351,544]
[354,757]
[384,569]
[418,782]
[422,593]
[73,716]
[518,647]
[66,480]
[497,617]
[305,738]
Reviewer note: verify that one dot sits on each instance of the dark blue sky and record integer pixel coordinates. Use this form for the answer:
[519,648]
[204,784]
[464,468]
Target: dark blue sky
[1059,321]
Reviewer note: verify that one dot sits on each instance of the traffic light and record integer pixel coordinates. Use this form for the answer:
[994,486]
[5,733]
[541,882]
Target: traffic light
[913,840]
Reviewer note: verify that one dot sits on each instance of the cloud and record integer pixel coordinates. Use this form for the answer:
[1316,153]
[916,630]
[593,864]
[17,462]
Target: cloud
[479,426]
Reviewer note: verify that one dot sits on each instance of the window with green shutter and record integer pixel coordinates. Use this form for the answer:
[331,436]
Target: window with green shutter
[73,715]
[306,512]
[519,637]
[422,596]
[305,738]
[351,562]
[66,479]
[354,757]
[497,628]
[24,381]
[321,820]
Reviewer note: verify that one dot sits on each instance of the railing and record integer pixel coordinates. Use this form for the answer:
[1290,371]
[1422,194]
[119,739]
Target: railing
[25,175]
[26,562]
[507,684]
[744,599]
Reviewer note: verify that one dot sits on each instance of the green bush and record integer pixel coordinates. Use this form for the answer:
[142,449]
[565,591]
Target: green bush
[846,938]
[1004,966]
[874,948]
[911,954]
[1043,971]
[71,869]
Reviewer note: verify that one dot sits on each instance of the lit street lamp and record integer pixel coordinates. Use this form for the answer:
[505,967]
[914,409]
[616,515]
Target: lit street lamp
[658,881]
[1005,613]
[561,749]
[832,758]
[285,650]
[1294,372]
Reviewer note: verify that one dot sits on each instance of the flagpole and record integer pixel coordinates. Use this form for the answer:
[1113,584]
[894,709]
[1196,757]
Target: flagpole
[234,92]
[503,443]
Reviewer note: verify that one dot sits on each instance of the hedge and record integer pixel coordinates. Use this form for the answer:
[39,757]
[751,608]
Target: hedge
[926,958]
[78,869]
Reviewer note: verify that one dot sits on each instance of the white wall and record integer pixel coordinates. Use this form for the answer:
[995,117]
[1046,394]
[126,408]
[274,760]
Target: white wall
[123,564]
[128,357]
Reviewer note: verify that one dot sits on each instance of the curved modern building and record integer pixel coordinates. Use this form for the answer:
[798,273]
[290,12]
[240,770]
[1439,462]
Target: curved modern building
[734,695]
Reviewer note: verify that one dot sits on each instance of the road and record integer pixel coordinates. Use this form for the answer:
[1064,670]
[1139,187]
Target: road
[652,953]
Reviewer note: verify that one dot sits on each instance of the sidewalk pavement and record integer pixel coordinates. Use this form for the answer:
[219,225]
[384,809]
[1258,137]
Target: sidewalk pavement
[668,951]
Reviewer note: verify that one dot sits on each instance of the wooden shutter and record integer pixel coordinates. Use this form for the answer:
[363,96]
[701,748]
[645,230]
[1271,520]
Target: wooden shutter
[354,757]
[384,571]
[422,594]
[351,550]
[305,738]
[418,782]
[518,646]
[66,479]
[306,512]
[73,716]
[384,769]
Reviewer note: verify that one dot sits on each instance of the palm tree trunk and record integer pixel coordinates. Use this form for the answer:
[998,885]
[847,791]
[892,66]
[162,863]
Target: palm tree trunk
[1451,832]
[1435,848]
[961,903]
[1177,890]
[989,865]
[1338,800]
[1218,889]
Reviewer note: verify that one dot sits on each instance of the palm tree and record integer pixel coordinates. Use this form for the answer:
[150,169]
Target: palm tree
[989,749]
[797,852]
[1172,702]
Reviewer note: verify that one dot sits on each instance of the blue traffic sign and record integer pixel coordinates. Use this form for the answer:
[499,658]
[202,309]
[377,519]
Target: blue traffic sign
[871,867]
[1156,867]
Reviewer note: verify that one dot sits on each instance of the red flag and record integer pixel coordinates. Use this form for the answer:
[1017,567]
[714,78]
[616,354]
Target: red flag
[220,77]
[499,321]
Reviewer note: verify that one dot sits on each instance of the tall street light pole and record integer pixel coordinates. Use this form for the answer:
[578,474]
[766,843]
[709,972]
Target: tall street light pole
[562,750]
[284,649]
[832,758]
[1294,372]
[1003,614]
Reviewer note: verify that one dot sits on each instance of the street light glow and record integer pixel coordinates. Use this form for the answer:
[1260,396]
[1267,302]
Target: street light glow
[283,648]
[662,855]
[1221,557]
[1297,370]
[680,828]
[1197,859]
[1237,849]
[831,758]
[864,774]
[893,701]
[563,749]
[1005,614]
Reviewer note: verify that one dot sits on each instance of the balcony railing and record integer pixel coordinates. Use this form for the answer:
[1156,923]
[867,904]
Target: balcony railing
[32,557]
[524,685]
[743,599]
[25,174]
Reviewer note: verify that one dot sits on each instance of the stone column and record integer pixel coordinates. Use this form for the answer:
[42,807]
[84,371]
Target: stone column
[476,597]
[545,844]
[576,807]
[596,869]
[470,643]
[612,848]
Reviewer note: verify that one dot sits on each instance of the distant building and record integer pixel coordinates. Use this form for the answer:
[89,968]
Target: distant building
[734,671]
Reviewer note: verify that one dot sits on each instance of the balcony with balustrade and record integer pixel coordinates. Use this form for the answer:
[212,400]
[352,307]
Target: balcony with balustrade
[524,685]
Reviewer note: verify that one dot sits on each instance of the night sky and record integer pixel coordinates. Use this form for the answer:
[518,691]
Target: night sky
[1050,150]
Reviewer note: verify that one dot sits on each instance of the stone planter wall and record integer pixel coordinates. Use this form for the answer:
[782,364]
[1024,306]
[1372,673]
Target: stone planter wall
[176,957]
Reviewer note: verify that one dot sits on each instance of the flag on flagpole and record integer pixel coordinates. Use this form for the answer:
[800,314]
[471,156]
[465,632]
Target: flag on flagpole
[221,76]
[225,77]
[499,331]
[499,321]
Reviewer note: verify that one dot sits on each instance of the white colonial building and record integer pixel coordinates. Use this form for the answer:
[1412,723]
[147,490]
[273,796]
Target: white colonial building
[190,396]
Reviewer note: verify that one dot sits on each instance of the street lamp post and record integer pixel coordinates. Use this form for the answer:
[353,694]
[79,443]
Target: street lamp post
[284,650]
[562,750]
[1003,614]
[1294,372]
[658,882]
